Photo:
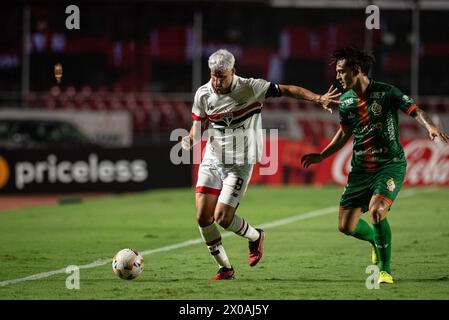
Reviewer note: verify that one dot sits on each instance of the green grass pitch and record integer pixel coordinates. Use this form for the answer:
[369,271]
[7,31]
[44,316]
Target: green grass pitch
[304,259]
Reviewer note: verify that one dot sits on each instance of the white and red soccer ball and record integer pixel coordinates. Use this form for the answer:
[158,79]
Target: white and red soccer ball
[127,264]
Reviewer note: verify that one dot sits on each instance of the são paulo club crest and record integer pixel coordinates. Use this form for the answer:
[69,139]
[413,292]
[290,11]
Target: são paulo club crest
[227,118]
[377,109]
[390,184]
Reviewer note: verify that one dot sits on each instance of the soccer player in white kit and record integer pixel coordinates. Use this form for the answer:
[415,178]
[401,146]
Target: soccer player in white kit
[230,107]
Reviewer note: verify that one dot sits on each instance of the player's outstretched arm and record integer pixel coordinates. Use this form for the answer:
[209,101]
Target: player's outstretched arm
[325,100]
[341,137]
[194,135]
[424,120]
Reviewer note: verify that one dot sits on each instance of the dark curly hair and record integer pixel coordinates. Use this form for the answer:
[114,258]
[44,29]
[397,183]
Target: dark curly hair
[354,58]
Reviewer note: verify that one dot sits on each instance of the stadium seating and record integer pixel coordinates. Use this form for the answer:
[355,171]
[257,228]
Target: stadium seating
[153,113]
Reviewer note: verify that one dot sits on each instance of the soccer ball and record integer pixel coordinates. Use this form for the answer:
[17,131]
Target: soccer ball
[127,264]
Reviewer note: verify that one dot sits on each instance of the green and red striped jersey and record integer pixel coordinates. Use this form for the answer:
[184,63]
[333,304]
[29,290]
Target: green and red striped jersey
[373,120]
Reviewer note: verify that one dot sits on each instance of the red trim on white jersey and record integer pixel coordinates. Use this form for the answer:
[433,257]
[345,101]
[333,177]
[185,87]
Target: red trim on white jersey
[195,117]
[236,113]
[208,190]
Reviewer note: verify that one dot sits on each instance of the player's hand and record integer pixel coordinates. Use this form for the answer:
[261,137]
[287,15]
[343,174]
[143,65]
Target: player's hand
[186,143]
[311,158]
[435,133]
[329,98]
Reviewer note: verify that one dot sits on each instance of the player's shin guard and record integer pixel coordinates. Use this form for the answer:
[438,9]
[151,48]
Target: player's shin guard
[242,228]
[383,244]
[212,237]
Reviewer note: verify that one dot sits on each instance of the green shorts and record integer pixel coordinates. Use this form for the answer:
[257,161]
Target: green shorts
[385,183]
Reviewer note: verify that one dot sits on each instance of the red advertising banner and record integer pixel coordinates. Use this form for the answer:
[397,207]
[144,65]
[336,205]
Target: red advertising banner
[427,164]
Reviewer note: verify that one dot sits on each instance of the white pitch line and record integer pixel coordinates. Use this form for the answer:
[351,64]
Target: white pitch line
[102,262]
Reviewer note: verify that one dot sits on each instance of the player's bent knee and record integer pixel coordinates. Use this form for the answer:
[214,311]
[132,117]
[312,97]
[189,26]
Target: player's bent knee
[376,214]
[345,229]
[204,220]
[205,207]
[204,216]
[222,218]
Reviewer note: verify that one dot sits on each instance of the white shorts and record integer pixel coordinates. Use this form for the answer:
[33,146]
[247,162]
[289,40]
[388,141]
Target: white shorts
[228,182]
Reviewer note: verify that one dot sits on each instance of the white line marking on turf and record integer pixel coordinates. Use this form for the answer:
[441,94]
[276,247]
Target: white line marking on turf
[299,217]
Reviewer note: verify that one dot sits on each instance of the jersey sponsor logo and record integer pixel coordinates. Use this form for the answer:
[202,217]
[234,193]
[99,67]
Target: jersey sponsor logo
[391,127]
[351,115]
[376,108]
[391,185]
[348,101]
[371,152]
[377,95]
[368,128]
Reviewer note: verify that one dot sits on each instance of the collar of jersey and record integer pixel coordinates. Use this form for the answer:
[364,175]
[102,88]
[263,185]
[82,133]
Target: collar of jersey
[367,91]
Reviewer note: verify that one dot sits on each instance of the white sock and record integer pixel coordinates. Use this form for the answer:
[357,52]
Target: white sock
[218,252]
[242,228]
[212,237]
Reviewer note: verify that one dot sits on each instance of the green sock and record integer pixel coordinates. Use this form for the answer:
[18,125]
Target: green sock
[383,243]
[364,231]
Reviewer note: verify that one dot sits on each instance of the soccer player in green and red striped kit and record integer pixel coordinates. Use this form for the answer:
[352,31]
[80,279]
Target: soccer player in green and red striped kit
[369,111]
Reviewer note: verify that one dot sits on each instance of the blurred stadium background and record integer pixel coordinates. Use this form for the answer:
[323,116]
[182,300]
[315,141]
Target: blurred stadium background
[130,72]
[129,76]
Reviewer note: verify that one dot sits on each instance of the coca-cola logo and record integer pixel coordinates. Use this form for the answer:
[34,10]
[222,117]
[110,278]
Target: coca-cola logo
[427,163]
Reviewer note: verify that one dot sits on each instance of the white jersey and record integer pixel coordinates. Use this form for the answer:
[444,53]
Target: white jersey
[235,125]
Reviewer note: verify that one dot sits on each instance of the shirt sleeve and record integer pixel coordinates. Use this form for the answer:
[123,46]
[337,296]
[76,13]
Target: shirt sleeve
[402,101]
[199,108]
[260,87]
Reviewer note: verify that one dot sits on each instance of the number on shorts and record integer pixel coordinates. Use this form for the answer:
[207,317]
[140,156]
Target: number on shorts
[239,184]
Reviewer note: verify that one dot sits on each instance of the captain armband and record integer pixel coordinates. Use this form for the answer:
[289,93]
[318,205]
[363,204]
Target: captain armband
[273,91]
